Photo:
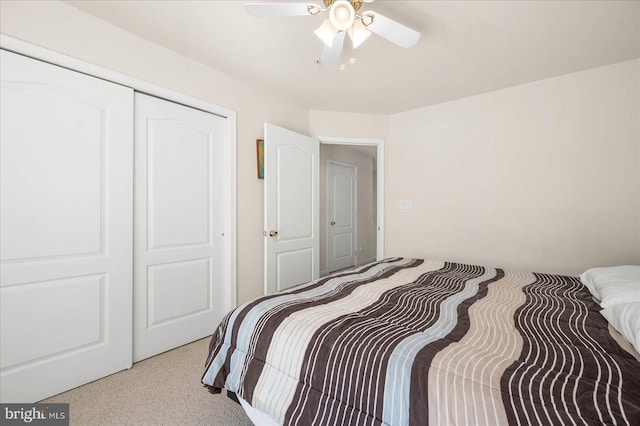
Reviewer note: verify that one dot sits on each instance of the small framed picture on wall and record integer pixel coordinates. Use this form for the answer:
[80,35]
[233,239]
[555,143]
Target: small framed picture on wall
[260,156]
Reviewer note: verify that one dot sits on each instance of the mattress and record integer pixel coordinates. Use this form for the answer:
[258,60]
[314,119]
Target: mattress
[411,341]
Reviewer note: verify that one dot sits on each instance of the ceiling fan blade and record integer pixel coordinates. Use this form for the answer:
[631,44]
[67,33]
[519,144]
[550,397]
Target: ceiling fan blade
[393,31]
[271,10]
[331,55]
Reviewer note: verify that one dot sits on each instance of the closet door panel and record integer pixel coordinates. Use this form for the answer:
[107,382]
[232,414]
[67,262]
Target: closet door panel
[179,261]
[34,152]
[179,185]
[65,228]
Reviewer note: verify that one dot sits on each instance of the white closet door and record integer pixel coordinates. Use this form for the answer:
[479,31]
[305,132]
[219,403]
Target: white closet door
[180,225]
[65,228]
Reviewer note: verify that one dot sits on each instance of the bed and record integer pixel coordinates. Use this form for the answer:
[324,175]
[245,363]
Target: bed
[410,341]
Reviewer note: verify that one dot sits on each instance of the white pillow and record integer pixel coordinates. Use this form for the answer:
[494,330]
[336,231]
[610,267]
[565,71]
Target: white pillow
[613,285]
[626,319]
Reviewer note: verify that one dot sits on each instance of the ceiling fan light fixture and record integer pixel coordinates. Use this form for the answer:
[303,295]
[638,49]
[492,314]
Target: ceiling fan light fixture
[342,15]
[326,32]
[358,33]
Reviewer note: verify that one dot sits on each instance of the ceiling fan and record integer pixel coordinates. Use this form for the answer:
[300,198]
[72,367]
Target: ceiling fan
[345,18]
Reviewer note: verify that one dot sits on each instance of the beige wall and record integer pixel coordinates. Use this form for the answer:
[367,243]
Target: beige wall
[543,176]
[347,125]
[62,28]
[363,158]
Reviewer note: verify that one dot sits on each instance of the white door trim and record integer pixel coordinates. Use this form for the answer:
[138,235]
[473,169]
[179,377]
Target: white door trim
[355,215]
[379,144]
[55,58]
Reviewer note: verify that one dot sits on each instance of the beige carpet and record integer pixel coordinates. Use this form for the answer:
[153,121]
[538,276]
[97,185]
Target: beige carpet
[163,390]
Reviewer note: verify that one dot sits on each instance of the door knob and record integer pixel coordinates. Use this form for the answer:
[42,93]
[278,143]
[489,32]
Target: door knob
[273,233]
[333,222]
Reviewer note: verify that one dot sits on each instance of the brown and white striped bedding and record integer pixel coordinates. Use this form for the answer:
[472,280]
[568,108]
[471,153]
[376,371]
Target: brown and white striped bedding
[407,341]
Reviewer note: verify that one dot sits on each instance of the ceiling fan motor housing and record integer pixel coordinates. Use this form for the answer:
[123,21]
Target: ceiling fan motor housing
[355,3]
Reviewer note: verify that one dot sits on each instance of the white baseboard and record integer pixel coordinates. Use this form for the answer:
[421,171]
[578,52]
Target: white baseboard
[365,261]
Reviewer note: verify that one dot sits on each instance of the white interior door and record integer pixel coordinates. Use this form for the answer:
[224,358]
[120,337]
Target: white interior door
[292,196]
[342,215]
[181,223]
[65,228]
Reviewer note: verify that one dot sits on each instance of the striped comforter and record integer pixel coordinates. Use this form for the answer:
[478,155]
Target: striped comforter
[407,341]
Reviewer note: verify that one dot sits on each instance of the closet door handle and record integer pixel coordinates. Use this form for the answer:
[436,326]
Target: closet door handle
[273,233]
[333,222]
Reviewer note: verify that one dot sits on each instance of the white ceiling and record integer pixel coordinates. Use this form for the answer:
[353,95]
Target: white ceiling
[466,48]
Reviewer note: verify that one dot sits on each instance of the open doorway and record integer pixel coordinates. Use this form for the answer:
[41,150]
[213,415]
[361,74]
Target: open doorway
[350,227]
